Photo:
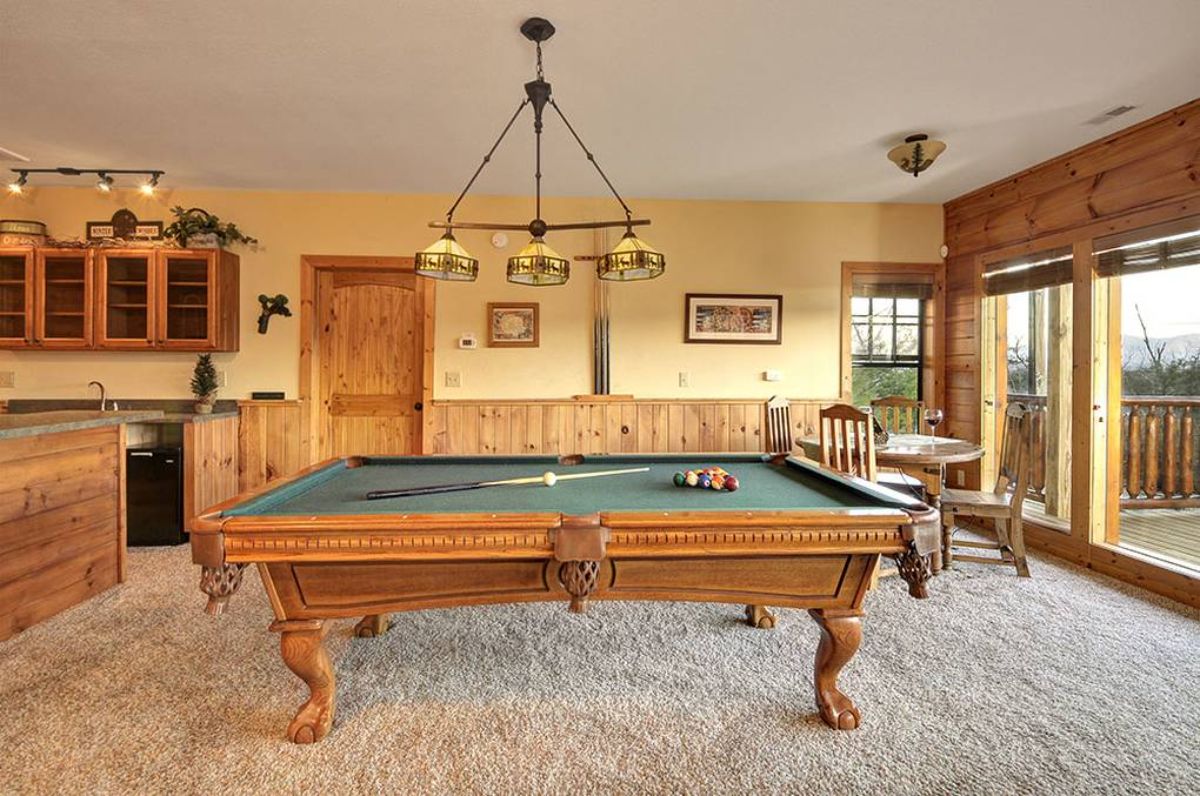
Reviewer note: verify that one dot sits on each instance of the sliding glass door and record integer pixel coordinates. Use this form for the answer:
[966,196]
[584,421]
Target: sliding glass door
[1150,286]
[1029,325]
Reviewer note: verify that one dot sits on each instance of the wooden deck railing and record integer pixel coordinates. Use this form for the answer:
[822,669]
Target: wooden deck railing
[1160,437]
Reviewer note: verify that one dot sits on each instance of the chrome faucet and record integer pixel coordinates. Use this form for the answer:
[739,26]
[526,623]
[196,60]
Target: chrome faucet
[103,395]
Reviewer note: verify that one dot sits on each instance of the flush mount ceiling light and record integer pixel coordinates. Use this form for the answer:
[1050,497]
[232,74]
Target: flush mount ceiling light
[105,182]
[917,153]
[538,264]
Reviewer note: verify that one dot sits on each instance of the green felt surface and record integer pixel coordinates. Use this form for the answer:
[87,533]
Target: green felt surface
[338,489]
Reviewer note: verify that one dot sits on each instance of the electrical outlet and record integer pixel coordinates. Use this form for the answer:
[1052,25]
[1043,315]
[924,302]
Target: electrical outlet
[8,378]
[453,378]
[960,478]
[685,379]
[222,378]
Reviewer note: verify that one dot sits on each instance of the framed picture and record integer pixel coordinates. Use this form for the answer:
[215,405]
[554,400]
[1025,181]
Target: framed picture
[512,324]
[733,318]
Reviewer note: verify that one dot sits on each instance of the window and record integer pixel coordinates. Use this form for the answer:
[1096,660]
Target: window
[886,341]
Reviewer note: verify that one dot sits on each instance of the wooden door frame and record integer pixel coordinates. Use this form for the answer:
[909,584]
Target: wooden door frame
[311,266]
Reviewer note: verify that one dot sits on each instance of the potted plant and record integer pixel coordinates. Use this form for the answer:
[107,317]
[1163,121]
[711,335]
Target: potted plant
[196,228]
[204,384]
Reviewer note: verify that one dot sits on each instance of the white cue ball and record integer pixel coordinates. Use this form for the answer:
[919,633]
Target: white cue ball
[549,478]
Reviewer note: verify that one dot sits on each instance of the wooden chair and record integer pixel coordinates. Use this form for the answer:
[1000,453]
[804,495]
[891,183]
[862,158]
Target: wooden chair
[900,415]
[848,441]
[779,425]
[1002,505]
[897,414]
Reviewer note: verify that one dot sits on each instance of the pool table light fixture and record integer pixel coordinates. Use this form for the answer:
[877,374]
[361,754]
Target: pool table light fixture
[537,263]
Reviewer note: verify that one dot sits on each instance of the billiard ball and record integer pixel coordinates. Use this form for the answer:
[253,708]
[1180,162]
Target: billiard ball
[679,479]
[691,478]
[731,483]
[703,481]
[718,482]
[549,478]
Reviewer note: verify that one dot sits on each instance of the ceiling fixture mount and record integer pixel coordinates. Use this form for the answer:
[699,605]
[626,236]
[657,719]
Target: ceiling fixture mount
[537,263]
[917,153]
[104,184]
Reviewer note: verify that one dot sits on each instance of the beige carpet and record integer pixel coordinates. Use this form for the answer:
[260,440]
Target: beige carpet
[1067,683]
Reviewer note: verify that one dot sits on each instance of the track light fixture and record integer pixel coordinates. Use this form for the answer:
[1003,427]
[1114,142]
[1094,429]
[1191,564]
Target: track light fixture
[147,188]
[537,263]
[105,182]
[18,185]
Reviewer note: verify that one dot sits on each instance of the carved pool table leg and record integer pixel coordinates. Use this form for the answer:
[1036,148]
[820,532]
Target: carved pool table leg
[841,632]
[220,583]
[760,616]
[372,626]
[302,645]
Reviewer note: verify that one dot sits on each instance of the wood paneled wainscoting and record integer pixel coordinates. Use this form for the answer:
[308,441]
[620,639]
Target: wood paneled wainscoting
[271,442]
[607,426]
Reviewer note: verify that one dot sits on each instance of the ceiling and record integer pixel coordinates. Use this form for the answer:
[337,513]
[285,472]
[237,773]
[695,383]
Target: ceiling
[792,100]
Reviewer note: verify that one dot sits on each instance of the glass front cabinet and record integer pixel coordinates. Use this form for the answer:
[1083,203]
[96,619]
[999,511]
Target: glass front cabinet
[16,298]
[139,299]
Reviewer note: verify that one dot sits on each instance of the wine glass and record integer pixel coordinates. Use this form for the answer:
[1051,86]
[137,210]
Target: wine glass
[933,417]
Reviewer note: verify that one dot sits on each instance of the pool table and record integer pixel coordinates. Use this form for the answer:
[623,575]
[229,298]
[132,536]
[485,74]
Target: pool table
[793,535]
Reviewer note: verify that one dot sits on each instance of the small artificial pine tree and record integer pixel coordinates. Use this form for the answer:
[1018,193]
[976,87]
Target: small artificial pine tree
[204,378]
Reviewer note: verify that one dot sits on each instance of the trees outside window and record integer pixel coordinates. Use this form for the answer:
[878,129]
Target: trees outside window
[886,341]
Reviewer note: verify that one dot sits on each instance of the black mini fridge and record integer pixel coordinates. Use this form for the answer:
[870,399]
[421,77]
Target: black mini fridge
[154,496]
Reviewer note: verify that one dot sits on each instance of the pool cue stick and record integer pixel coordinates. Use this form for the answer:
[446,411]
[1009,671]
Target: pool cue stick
[465,486]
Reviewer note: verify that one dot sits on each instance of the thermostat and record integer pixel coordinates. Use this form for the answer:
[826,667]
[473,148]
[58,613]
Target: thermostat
[467,340]
[499,240]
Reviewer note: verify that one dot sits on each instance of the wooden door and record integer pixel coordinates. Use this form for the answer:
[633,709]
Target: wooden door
[16,298]
[186,300]
[64,296]
[125,298]
[373,342]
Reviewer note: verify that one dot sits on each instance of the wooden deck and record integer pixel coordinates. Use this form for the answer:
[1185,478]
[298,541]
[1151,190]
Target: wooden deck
[1173,534]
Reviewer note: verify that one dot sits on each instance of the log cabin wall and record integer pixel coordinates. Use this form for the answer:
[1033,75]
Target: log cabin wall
[1139,176]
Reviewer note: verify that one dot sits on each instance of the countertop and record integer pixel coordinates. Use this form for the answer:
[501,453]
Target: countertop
[188,417]
[32,424]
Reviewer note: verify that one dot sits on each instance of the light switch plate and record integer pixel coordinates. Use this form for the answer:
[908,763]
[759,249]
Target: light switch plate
[222,378]
[453,378]
[685,379]
[8,378]
[772,375]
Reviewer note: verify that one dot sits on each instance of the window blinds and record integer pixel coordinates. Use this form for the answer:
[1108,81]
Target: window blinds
[1172,245]
[1032,272]
[891,286]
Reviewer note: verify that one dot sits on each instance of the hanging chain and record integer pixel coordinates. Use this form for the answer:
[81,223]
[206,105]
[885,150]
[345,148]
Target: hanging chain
[539,60]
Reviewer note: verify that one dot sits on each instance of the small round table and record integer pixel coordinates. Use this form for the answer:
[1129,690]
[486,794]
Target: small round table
[921,456]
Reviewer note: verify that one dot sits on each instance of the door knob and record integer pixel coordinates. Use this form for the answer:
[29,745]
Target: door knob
[418,406]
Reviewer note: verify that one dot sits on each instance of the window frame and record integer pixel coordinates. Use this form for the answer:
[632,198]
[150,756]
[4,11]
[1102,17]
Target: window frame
[918,363]
[933,338]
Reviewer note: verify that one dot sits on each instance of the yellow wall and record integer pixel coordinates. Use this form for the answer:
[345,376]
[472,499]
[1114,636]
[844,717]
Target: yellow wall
[794,249]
